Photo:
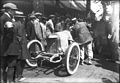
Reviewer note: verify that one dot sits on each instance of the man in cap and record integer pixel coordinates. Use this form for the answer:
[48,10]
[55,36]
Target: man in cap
[83,37]
[6,38]
[30,27]
[38,15]
[37,27]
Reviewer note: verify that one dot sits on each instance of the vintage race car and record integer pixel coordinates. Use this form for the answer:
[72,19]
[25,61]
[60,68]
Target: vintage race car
[54,53]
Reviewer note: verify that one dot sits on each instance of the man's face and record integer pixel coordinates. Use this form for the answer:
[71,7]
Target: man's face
[53,19]
[40,18]
[73,22]
[12,12]
[44,21]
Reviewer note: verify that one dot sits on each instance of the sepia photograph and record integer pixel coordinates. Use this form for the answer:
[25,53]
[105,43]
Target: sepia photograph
[59,41]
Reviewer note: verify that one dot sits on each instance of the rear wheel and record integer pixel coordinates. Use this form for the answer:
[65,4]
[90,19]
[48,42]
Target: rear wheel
[72,58]
[35,47]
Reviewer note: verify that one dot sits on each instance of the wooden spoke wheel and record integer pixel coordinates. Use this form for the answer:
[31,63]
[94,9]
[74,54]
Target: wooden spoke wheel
[34,47]
[72,58]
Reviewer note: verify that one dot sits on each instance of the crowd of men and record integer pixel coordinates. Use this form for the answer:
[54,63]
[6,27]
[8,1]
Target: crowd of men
[17,30]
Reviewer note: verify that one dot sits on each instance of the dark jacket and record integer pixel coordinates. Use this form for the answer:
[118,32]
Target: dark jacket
[21,40]
[6,35]
[30,31]
[81,33]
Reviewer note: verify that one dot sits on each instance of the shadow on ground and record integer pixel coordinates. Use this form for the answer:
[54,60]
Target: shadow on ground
[47,68]
[105,63]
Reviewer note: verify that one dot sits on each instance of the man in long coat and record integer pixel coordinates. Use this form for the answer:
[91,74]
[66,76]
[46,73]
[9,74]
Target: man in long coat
[7,38]
[30,29]
[21,42]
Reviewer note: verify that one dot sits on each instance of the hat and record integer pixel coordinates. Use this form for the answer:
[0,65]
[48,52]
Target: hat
[32,16]
[51,16]
[19,14]
[38,13]
[10,5]
[73,19]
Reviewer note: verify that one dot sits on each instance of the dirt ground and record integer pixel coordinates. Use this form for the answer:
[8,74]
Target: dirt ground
[101,71]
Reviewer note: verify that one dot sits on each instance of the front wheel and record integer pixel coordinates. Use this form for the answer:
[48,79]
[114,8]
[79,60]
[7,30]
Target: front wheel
[34,47]
[72,58]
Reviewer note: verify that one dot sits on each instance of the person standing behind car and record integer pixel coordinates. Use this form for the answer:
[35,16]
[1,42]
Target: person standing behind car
[83,36]
[30,28]
[37,27]
[59,24]
[50,25]
[43,28]
[9,53]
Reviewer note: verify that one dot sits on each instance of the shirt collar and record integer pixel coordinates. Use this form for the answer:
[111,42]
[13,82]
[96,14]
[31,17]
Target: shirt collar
[8,14]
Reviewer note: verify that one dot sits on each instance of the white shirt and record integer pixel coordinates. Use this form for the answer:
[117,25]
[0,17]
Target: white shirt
[13,19]
[7,14]
[43,26]
[51,23]
[37,29]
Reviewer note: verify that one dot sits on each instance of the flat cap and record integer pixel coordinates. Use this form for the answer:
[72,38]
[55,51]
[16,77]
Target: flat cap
[51,16]
[10,5]
[38,13]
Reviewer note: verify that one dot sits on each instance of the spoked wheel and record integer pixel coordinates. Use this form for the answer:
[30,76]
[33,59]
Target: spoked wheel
[72,58]
[35,47]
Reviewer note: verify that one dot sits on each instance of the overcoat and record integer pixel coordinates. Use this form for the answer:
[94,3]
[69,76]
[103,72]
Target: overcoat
[30,30]
[6,35]
[21,42]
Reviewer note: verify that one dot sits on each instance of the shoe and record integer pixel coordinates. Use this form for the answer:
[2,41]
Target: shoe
[21,79]
[82,62]
[89,62]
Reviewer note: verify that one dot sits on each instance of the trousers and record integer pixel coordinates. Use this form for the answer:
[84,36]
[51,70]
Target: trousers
[86,48]
[8,67]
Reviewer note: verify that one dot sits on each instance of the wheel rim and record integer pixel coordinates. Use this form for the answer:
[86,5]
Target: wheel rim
[73,58]
[34,47]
